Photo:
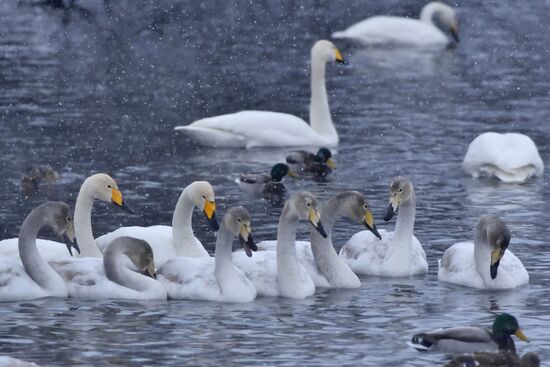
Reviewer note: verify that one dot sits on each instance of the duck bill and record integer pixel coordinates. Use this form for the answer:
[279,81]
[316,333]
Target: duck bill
[392,209]
[331,164]
[369,223]
[496,255]
[150,271]
[246,240]
[210,214]
[521,335]
[293,174]
[315,221]
[116,198]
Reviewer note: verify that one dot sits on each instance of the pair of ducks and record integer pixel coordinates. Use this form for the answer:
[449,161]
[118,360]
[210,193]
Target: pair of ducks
[477,346]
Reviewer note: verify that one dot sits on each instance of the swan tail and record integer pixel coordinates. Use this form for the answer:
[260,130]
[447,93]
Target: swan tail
[212,136]
[339,34]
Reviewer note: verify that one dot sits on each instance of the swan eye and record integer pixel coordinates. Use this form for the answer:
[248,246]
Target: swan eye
[108,186]
[365,206]
[401,190]
[308,205]
[68,219]
[204,197]
[238,220]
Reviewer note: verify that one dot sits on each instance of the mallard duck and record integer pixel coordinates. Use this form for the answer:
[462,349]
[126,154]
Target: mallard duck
[500,359]
[37,175]
[487,263]
[261,183]
[320,164]
[470,339]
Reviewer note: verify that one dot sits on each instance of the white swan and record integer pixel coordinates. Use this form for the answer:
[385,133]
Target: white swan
[94,278]
[99,186]
[510,157]
[405,31]
[213,279]
[278,273]
[324,266]
[35,278]
[169,242]
[398,253]
[263,128]
[486,263]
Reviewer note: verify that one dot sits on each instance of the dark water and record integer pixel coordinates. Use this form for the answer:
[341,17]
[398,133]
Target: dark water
[102,92]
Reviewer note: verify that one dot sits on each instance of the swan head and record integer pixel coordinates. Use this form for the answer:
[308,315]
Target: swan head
[326,51]
[60,219]
[324,155]
[444,14]
[281,170]
[305,206]
[401,190]
[140,253]
[202,195]
[355,207]
[506,325]
[497,235]
[104,188]
[237,220]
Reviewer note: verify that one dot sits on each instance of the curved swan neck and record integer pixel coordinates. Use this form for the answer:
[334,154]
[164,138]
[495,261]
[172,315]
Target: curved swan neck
[428,12]
[83,222]
[482,256]
[319,111]
[114,261]
[38,269]
[223,262]
[182,228]
[287,262]
[405,221]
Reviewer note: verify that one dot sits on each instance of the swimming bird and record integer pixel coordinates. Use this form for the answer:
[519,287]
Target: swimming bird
[398,253]
[178,240]
[320,164]
[37,175]
[262,183]
[509,157]
[29,276]
[470,339]
[278,272]
[501,358]
[214,278]
[394,30]
[487,263]
[247,129]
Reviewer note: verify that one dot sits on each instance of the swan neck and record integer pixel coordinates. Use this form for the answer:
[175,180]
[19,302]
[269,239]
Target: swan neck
[114,261]
[223,254]
[83,222]
[428,12]
[287,262]
[182,229]
[482,256]
[38,269]
[405,221]
[319,111]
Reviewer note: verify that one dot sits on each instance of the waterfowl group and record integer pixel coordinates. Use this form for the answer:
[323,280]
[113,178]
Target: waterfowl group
[170,262]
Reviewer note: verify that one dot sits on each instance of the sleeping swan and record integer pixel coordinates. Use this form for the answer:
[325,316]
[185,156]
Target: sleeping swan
[398,253]
[274,129]
[486,263]
[510,157]
[405,31]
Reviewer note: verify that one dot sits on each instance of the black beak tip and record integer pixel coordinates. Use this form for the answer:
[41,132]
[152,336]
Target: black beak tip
[214,223]
[125,207]
[494,270]
[389,213]
[321,230]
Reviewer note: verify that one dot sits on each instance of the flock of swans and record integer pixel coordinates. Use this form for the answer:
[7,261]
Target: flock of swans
[160,262]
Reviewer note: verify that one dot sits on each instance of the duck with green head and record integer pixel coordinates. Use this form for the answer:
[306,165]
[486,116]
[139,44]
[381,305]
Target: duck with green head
[261,183]
[470,339]
[320,164]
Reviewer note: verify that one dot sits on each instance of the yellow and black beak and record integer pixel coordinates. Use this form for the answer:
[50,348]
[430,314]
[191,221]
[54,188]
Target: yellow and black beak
[521,335]
[245,237]
[392,208]
[116,198]
[331,164]
[70,239]
[210,213]
[150,271]
[454,32]
[338,57]
[369,223]
[496,255]
[315,220]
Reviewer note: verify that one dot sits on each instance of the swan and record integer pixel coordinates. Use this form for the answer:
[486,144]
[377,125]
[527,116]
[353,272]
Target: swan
[110,277]
[13,362]
[169,242]
[499,359]
[470,339]
[278,273]
[324,266]
[510,157]
[486,263]
[247,129]
[405,31]
[99,186]
[398,253]
[320,164]
[213,279]
[33,277]
[261,183]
